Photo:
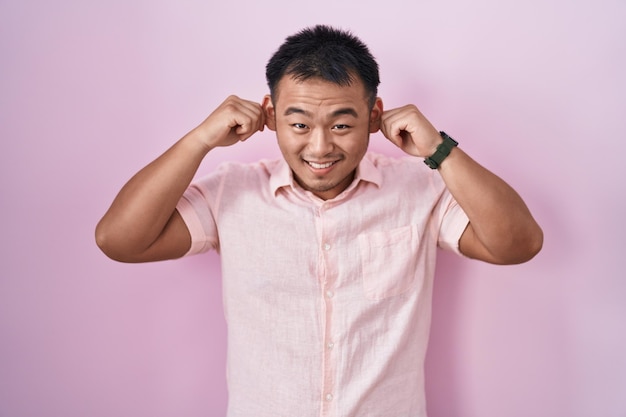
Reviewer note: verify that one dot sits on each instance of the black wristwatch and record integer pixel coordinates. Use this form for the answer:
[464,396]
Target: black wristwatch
[443,150]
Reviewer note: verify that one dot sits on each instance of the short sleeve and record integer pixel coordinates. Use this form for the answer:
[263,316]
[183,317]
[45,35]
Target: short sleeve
[198,207]
[453,224]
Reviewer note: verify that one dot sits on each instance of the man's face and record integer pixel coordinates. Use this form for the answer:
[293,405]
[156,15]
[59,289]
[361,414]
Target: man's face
[322,130]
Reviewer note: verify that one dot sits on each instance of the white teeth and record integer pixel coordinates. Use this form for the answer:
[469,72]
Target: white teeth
[320,166]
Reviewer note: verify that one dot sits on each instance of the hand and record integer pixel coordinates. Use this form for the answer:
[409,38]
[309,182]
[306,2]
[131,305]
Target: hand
[235,120]
[408,129]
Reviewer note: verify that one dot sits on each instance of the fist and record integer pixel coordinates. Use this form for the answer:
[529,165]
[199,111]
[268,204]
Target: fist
[235,120]
[408,129]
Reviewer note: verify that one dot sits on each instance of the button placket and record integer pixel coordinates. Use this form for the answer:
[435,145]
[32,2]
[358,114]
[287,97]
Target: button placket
[328,293]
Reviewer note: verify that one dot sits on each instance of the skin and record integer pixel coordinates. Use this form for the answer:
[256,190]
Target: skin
[323,133]
[501,229]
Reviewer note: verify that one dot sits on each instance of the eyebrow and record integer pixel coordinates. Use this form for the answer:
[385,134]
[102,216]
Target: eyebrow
[339,112]
[292,110]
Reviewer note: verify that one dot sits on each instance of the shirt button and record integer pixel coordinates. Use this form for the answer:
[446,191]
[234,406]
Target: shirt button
[327,246]
[329,294]
[329,397]
[330,345]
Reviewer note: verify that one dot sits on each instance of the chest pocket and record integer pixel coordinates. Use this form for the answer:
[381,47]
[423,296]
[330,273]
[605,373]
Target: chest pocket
[389,261]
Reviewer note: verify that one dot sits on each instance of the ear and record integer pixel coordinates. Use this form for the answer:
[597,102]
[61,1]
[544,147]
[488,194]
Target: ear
[376,115]
[269,112]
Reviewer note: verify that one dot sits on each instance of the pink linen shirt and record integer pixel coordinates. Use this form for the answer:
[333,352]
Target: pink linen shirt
[328,303]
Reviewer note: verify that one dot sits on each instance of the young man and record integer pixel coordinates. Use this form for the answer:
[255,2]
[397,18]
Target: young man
[328,255]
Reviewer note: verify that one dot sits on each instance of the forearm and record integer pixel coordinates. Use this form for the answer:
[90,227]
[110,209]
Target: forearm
[143,207]
[501,228]
[500,221]
[142,223]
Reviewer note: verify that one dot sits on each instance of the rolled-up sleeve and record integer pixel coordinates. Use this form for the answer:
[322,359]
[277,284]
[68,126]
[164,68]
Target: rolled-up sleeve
[454,223]
[197,209]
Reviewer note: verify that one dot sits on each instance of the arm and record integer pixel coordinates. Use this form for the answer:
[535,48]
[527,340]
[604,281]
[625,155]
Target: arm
[501,229]
[142,223]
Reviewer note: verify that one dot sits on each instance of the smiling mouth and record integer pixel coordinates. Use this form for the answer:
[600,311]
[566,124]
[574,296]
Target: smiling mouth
[320,166]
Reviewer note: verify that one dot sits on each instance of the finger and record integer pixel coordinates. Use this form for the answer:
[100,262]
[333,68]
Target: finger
[245,129]
[393,135]
[390,118]
[391,129]
[256,114]
[261,117]
[247,121]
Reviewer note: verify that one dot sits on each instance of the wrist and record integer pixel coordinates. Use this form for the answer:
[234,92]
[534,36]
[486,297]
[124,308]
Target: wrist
[197,141]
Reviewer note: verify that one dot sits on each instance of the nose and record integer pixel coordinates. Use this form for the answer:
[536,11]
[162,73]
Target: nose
[320,142]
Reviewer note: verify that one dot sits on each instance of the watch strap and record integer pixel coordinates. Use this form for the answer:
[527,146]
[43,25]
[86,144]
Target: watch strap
[443,150]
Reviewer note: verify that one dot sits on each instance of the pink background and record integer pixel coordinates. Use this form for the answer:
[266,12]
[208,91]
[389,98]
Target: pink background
[92,91]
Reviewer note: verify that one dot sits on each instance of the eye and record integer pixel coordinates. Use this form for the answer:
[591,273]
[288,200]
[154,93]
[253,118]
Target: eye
[341,127]
[299,126]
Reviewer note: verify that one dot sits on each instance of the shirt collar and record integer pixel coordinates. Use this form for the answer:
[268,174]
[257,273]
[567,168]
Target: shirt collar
[282,176]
